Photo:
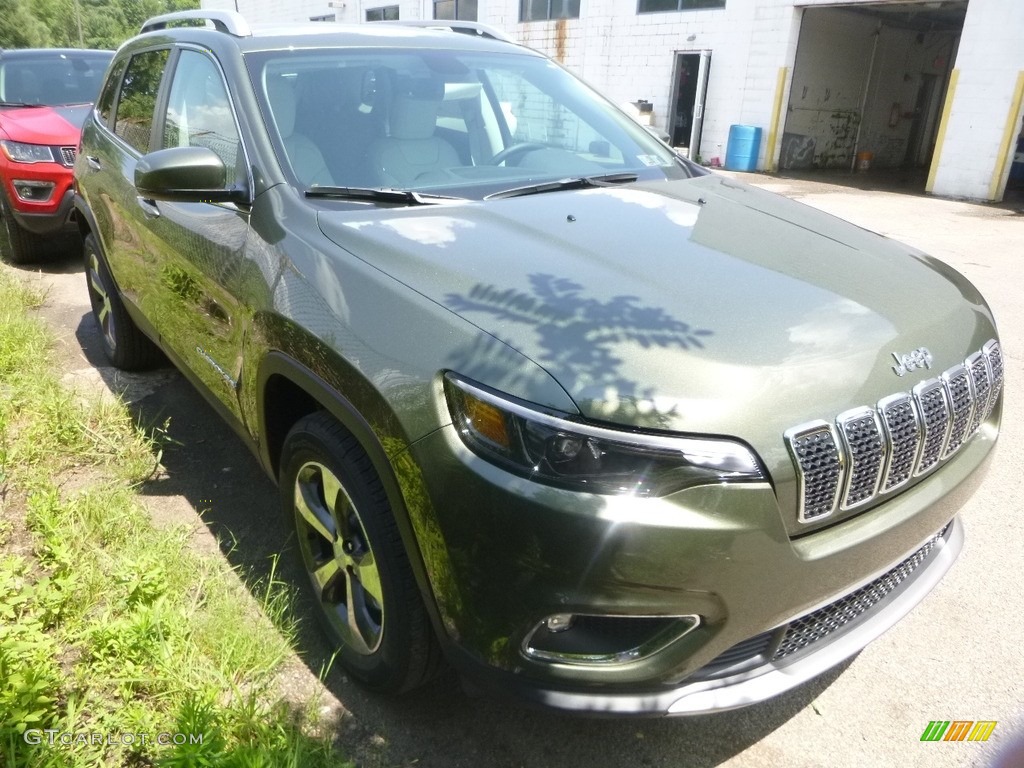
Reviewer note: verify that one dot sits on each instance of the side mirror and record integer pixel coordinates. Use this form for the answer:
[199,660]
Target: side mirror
[185,175]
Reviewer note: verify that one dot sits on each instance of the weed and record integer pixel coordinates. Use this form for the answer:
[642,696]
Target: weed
[114,627]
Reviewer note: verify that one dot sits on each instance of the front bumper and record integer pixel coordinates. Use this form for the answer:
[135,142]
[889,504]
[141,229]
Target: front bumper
[767,678]
[502,554]
[50,218]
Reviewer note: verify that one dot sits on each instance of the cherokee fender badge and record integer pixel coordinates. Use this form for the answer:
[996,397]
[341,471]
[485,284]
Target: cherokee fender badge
[919,358]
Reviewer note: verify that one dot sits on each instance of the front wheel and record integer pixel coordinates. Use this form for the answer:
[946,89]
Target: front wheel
[356,567]
[19,246]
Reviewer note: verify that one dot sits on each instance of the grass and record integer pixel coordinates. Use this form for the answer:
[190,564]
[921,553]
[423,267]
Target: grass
[113,632]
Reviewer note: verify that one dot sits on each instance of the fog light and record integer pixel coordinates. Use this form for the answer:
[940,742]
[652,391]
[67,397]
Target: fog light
[33,191]
[592,641]
[558,622]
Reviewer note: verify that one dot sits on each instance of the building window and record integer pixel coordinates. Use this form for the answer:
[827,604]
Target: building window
[537,10]
[451,10]
[658,6]
[387,13]
[325,17]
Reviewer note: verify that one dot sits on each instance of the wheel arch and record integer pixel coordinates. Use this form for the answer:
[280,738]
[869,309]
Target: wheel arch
[85,220]
[286,391]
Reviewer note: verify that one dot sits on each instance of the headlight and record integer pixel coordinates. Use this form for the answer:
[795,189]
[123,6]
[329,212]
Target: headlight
[550,448]
[27,153]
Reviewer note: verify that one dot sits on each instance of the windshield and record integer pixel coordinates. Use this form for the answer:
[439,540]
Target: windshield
[454,123]
[52,78]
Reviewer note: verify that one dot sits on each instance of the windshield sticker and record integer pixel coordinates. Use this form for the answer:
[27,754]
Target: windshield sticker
[654,161]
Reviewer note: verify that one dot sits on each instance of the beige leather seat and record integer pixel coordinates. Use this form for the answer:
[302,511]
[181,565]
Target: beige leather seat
[411,152]
[332,113]
[305,157]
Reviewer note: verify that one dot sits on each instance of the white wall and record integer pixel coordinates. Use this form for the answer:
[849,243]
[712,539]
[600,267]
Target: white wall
[626,55]
[630,56]
[990,57]
[274,11]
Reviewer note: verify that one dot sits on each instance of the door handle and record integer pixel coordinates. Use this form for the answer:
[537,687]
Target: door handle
[94,163]
[149,209]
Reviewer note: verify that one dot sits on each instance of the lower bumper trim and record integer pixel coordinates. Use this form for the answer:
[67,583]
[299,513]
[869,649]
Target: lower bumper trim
[775,677]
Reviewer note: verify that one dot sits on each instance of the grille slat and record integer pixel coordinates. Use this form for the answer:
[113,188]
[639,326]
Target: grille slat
[977,367]
[862,439]
[933,405]
[67,155]
[874,451]
[903,433]
[994,354]
[958,387]
[816,451]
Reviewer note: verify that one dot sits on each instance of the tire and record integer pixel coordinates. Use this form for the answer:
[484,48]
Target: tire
[18,245]
[356,568]
[124,344]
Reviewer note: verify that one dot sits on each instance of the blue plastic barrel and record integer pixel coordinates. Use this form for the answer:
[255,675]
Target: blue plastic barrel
[743,148]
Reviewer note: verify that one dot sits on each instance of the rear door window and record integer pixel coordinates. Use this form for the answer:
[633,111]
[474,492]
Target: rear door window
[105,103]
[137,101]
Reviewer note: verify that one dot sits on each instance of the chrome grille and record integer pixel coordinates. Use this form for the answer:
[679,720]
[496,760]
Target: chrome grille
[903,434]
[862,439]
[958,385]
[823,622]
[873,451]
[977,367]
[67,155]
[994,355]
[820,468]
[933,404]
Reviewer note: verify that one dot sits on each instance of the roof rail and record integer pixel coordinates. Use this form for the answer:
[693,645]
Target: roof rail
[463,27]
[230,22]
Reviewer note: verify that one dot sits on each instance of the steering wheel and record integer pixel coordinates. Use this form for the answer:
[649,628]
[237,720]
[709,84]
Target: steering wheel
[515,151]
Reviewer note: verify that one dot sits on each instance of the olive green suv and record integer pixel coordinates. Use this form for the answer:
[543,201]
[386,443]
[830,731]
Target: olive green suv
[542,398]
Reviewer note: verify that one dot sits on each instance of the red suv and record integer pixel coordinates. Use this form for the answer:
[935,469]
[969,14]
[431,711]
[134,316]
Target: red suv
[45,95]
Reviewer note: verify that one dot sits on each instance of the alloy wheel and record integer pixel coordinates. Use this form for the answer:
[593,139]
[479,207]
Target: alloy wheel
[338,558]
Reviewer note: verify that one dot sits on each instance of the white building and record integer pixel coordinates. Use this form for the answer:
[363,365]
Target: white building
[933,84]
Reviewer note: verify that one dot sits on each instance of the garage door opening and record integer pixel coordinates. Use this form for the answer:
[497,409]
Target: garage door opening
[869,83]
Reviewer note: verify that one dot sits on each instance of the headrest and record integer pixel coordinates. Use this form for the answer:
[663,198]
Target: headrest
[414,108]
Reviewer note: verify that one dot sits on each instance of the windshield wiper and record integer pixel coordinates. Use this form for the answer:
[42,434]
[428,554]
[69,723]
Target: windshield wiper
[576,182]
[19,104]
[382,195]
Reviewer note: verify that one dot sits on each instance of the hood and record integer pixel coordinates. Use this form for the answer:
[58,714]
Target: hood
[702,306]
[56,126]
